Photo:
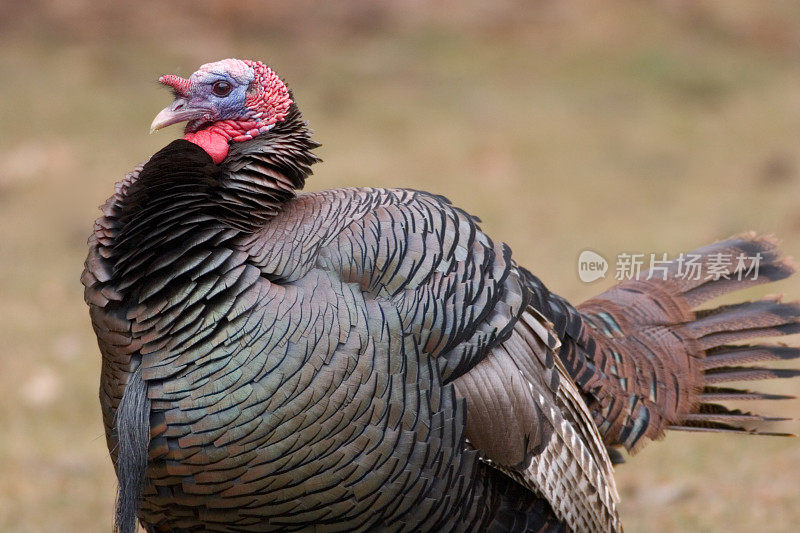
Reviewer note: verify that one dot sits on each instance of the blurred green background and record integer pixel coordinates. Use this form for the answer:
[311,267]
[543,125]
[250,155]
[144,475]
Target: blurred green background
[644,126]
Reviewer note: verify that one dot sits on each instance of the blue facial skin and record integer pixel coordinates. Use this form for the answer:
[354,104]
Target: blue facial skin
[227,107]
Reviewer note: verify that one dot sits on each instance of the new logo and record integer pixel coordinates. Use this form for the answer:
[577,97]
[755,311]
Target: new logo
[591,266]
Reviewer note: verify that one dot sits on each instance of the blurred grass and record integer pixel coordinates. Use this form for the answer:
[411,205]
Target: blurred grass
[626,126]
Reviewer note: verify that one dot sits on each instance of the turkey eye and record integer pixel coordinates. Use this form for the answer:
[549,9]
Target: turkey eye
[221,88]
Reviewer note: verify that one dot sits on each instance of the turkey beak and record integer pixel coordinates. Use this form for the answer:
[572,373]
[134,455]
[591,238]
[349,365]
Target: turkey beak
[178,111]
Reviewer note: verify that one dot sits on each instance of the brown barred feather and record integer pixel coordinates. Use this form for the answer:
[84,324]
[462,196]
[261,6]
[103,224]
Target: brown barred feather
[660,359]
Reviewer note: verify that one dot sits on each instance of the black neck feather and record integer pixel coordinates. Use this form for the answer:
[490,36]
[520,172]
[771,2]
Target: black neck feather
[180,191]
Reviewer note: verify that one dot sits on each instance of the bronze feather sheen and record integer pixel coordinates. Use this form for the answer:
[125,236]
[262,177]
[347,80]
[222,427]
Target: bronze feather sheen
[360,359]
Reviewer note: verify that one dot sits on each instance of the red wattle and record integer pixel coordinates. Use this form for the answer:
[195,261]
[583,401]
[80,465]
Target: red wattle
[215,144]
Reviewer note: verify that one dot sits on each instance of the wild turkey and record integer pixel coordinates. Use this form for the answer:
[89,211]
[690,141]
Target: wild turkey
[369,359]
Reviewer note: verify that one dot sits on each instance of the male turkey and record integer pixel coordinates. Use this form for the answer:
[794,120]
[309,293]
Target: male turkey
[364,358]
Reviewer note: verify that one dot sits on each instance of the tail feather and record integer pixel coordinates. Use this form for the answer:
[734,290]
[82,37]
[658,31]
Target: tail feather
[662,360]
[748,373]
[746,316]
[720,418]
[731,355]
[766,274]
[719,413]
[721,394]
[698,289]
[727,337]
[717,427]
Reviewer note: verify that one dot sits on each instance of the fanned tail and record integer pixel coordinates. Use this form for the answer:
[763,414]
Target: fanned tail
[725,362]
[661,364]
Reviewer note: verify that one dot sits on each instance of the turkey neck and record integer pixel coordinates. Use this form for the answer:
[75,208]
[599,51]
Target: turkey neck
[180,191]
